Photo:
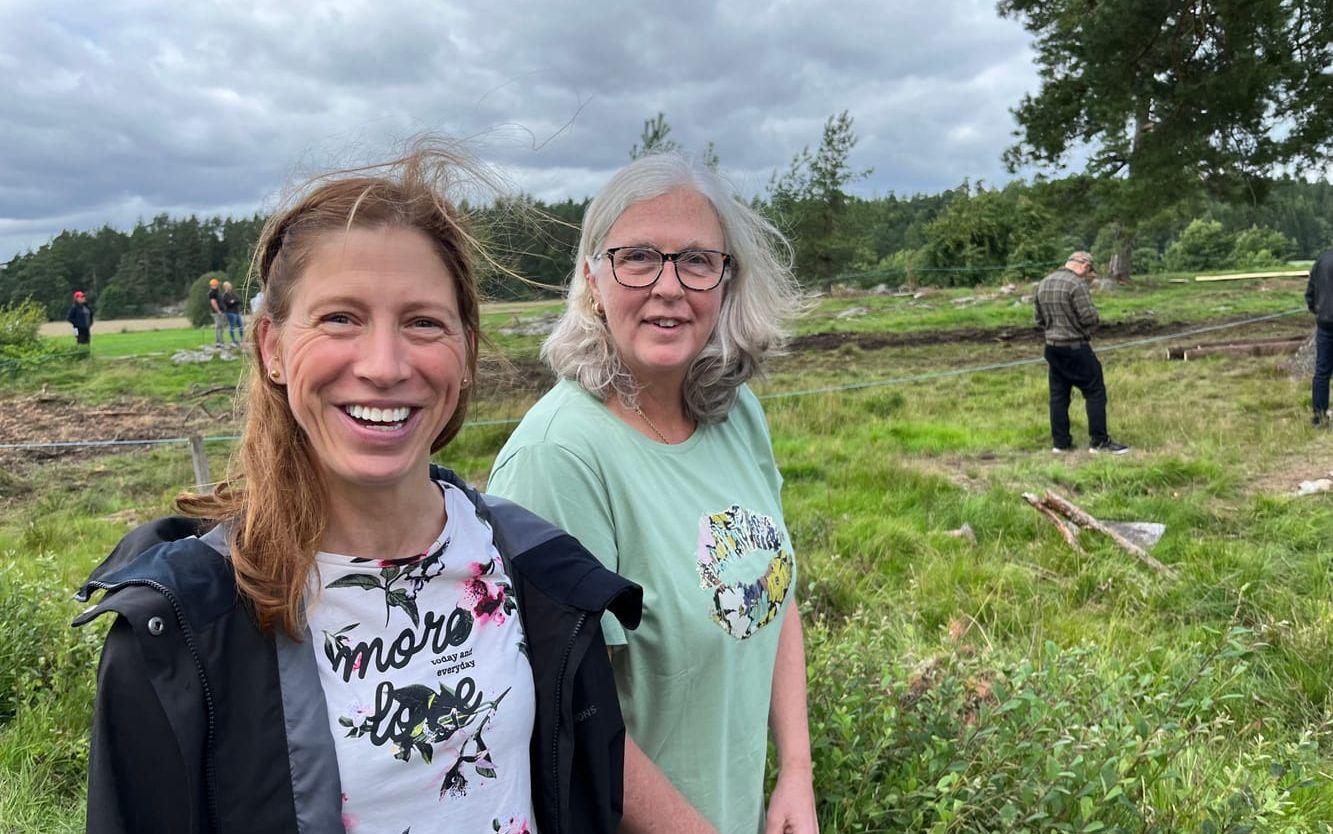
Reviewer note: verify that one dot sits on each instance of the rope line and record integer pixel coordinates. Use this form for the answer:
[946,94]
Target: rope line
[777,395]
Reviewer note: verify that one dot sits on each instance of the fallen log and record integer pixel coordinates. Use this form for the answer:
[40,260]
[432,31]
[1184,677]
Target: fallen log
[1070,537]
[1084,519]
[1258,347]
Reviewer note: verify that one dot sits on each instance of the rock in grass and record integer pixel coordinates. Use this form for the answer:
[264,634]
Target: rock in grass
[1143,533]
[1314,487]
[964,532]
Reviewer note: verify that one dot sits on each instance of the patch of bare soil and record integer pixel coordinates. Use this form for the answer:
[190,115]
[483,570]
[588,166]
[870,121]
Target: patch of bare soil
[51,418]
[55,418]
[1284,475]
[1130,328]
[968,472]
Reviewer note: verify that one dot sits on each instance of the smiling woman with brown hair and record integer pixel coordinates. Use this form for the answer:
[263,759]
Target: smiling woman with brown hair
[343,636]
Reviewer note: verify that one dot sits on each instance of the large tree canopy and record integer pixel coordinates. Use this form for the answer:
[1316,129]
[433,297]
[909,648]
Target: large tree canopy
[1168,97]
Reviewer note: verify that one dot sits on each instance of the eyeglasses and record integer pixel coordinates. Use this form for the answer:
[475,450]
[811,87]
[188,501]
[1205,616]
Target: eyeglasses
[637,267]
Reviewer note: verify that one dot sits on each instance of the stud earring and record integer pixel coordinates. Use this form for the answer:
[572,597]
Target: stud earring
[595,305]
[274,374]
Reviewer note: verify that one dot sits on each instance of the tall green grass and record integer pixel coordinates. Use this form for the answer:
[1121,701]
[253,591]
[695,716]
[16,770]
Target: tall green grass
[1005,685]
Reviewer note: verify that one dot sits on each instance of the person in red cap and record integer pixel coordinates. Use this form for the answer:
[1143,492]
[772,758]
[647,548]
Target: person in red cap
[81,317]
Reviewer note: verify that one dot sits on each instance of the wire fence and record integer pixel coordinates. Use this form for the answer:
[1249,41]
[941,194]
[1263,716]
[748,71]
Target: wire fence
[772,395]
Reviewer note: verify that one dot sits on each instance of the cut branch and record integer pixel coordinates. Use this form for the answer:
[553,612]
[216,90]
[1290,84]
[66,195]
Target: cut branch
[1069,535]
[1079,516]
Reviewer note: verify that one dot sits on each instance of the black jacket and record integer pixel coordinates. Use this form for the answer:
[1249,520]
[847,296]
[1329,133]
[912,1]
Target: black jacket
[1319,292]
[81,316]
[202,725]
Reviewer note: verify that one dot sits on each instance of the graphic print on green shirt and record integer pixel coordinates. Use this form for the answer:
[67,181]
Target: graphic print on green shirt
[730,542]
[699,526]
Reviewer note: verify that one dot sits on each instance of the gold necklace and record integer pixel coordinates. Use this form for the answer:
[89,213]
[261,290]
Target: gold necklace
[652,425]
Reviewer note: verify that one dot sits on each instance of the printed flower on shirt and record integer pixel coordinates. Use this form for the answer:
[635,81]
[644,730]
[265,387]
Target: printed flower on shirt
[745,564]
[401,580]
[491,600]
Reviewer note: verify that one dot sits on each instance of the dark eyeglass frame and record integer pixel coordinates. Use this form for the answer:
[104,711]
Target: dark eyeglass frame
[673,257]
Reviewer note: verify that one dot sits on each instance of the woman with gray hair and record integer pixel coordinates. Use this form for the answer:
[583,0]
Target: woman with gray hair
[652,450]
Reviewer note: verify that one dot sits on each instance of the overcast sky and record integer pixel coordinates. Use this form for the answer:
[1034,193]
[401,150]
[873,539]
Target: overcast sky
[112,111]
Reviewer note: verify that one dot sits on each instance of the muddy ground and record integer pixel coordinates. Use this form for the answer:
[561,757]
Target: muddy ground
[45,417]
[1027,334]
[58,418]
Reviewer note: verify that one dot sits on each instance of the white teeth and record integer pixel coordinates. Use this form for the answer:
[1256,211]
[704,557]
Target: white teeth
[666,322]
[378,415]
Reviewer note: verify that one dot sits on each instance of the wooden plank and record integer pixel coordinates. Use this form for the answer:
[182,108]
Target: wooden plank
[1299,273]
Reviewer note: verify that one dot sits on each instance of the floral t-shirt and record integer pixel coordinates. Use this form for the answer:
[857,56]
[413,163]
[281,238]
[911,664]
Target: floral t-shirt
[429,691]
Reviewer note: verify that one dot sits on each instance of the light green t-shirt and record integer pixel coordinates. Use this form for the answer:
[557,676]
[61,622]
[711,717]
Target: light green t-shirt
[699,525]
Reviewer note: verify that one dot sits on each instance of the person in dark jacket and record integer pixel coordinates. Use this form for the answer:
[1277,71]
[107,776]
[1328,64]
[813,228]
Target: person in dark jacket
[231,306]
[1319,300]
[341,636]
[81,318]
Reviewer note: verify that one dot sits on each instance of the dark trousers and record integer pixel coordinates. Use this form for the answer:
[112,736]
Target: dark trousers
[1323,366]
[1069,368]
[82,335]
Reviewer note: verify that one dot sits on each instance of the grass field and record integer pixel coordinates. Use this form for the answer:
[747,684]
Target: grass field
[1006,684]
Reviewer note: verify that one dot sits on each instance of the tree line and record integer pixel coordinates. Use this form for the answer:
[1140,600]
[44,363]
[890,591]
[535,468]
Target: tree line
[1185,112]
[969,234]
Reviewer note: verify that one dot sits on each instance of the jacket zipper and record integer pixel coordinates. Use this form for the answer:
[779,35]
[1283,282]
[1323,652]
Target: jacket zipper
[559,711]
[209,775]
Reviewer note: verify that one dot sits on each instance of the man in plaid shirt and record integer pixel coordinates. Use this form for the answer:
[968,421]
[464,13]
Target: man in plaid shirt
[1066,313]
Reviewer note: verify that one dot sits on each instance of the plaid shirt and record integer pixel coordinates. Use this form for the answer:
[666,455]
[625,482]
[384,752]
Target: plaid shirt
[1064,308]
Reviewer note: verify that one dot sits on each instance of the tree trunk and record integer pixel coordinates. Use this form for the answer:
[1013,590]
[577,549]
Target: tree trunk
[1123,259]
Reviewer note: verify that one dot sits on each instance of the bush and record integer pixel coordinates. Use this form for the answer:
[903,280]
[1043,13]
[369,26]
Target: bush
[115,303]
[1147,261]
[973,740]
[19,324]
[197,308]
[1260,246]
[21,349]
[43,655]
[1203,245]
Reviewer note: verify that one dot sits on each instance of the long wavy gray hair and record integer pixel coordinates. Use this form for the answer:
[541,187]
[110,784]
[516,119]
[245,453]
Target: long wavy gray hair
[760,296]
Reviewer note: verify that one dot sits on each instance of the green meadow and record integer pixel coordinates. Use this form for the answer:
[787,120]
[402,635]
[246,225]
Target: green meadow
[997,682]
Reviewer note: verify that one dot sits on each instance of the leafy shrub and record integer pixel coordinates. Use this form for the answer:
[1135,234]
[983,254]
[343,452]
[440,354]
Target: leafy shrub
[43,655]
[115,302]
[19,324]
[1260,246]
[47,682]
[1146,261]
[1204,244]
[1069,740]
[21,349]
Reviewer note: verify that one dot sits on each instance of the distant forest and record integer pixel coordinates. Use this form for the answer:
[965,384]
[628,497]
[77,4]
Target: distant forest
[962,236]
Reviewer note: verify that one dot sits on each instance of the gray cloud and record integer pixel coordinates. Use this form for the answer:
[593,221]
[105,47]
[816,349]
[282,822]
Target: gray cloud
[119,111]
